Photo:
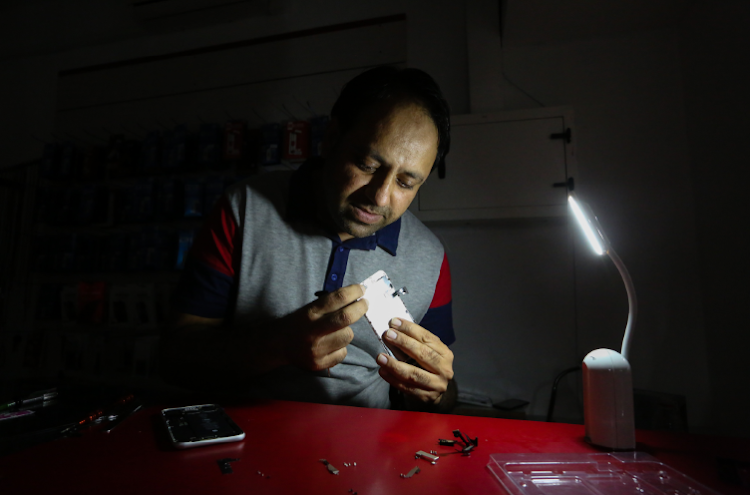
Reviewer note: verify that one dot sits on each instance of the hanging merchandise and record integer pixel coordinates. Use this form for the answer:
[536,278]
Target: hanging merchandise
[270,144]
[92,162]
[184,241]
[318,126]
[210,146]
[152,151]
[234,152]
[168,200]
[168,149]
[91,302]
[296,141]
[68,165]
[51,161]
[114,160]
[194,198]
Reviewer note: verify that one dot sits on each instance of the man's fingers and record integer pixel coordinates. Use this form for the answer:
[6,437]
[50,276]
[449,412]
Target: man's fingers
[341,318]
[332,342]
[406,376]
[420,334]
[330,360]
[426,349]
[334,301]
[413,387]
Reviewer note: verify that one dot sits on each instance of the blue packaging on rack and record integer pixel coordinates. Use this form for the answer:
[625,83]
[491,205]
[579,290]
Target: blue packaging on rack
[184,241]
[194,200]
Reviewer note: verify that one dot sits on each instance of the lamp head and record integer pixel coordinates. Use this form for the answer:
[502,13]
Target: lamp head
[589,224]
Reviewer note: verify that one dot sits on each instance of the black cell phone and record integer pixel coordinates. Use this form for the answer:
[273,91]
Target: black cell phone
[195,426]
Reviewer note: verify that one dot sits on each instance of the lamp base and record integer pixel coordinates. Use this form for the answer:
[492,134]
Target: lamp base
[608,400]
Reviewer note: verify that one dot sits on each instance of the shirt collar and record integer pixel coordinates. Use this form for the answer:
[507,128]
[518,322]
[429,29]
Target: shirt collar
[301,196]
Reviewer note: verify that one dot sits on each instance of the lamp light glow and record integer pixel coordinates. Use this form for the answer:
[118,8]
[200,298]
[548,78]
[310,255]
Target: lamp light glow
[585,224]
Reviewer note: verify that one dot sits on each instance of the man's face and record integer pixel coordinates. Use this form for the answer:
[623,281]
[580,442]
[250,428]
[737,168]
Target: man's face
[373,172]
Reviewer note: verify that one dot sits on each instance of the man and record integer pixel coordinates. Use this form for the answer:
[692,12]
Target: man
[270,301]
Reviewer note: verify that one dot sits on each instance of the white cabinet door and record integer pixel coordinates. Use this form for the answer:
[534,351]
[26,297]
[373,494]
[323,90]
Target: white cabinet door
[502,166]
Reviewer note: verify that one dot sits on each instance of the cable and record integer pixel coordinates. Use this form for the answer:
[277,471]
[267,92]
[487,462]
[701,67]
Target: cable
[553,394]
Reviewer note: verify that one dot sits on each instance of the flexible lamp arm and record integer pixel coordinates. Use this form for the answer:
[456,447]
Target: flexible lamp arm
[632,302]
[600,244]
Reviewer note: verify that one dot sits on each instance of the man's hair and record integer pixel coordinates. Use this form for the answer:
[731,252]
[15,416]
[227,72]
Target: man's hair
[384,82]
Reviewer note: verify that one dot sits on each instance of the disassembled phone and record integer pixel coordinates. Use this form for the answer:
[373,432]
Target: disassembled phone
[384,304]
[195,426]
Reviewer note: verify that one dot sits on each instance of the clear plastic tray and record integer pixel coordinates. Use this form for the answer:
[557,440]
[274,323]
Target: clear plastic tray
[631,473]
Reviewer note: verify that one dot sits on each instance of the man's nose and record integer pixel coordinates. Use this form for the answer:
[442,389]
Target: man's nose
[379,189]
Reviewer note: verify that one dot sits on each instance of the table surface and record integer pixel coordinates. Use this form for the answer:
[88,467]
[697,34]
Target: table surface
[286,440]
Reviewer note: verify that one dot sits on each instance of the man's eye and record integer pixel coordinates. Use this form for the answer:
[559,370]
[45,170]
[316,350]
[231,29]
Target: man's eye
[365,167]
[405,185]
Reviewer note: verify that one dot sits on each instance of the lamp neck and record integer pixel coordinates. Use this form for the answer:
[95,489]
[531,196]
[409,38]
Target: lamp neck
[632,303]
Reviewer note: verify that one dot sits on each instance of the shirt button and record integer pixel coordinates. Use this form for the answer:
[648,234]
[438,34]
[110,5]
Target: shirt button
[341,249]
[334,277]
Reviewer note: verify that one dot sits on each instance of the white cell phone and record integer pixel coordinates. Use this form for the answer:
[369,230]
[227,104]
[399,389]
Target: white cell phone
[196,426]
[385,303]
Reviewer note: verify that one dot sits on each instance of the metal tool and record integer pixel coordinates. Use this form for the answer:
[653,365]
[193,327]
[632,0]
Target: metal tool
[125,414]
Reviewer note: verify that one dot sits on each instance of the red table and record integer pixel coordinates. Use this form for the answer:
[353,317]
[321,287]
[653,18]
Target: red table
[285,441]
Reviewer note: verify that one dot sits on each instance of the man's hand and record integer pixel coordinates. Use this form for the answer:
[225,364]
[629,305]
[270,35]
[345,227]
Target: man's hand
[315,336]
[428,382]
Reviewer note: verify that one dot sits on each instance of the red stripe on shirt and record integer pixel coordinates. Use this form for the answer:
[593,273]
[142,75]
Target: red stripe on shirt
[443,288]
[214,243]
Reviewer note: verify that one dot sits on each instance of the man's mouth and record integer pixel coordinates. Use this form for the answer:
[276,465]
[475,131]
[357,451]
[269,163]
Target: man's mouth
[365,216]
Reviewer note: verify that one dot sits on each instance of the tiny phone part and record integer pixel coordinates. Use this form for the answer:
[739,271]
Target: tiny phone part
[196,426]
[384,304]
[330,467]
[224,465]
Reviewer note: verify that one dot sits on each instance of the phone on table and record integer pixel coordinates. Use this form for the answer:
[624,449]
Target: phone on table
[196,426]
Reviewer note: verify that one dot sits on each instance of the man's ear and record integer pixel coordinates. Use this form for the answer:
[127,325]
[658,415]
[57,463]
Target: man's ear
[331,137]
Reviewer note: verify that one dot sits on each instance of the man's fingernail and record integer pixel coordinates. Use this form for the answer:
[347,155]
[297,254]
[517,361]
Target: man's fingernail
[391,334]
[396,322]
[382,360]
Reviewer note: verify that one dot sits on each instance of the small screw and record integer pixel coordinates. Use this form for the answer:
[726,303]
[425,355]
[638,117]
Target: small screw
[433,463]
[355,464]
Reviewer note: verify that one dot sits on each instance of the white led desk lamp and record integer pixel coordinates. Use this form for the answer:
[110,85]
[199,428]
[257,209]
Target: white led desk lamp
[607,382]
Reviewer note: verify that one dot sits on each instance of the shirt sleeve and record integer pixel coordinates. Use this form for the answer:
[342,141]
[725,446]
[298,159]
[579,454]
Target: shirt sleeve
[208,277]
[439,317]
